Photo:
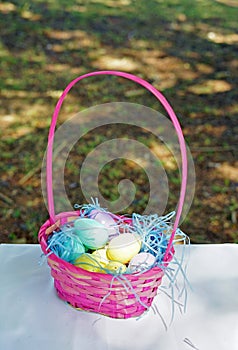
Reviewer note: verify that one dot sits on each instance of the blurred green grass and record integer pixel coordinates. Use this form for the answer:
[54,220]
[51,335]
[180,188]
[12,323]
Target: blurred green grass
[187,50]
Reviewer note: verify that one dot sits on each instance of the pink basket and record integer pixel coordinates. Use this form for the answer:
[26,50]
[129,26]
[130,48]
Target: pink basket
[99,292]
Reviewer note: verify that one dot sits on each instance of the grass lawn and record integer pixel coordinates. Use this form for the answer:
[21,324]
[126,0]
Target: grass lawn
[188,50]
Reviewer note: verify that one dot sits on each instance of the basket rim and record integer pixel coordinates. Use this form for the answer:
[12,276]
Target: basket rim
[76,269]
[168,108]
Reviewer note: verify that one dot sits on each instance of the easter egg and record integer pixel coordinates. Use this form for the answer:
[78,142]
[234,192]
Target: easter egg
[88,262]
[71,249]
[105,219]
[142,261]
[91,232]
[123,247]
[116,267]
[66,245]
[101,256]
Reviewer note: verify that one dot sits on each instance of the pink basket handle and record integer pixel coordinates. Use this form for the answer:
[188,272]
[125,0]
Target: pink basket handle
[168,108]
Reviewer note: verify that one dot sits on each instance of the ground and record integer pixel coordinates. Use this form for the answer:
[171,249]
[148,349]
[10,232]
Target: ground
[188,52]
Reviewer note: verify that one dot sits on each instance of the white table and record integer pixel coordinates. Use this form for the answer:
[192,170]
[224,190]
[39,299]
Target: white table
[33,317]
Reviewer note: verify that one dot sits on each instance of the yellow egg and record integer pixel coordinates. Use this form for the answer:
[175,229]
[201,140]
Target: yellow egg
[116,267]
[101,256]
[123,247]
[88,262]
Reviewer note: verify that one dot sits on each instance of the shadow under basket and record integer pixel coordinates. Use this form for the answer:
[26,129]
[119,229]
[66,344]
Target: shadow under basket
[118,296]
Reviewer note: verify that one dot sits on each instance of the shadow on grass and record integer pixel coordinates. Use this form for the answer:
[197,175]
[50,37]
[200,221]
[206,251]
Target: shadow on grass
[188,52]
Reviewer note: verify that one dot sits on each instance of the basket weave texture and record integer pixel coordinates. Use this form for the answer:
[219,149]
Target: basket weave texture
[121,296]
[116,297]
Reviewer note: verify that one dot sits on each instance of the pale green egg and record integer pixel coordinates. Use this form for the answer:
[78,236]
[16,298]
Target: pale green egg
[92,233]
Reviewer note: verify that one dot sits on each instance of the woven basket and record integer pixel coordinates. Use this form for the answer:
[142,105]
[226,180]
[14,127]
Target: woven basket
[102,293]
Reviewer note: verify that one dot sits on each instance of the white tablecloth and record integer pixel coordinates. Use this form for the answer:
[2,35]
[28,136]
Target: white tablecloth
[33,317]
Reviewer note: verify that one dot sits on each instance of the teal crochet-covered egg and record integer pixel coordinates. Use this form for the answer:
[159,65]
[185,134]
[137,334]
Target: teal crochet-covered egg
[66,244]
[92,233]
